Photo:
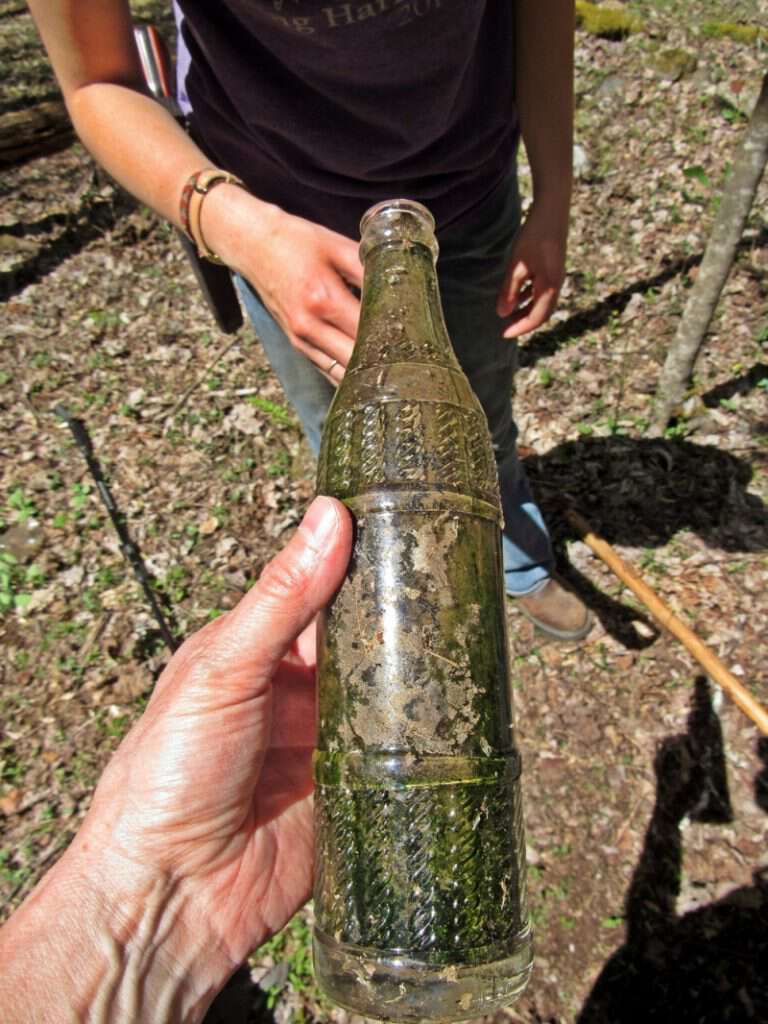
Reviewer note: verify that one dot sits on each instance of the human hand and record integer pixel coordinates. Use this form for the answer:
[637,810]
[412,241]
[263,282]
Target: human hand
[535,273]
[198,843]
[211,789]
[301,271]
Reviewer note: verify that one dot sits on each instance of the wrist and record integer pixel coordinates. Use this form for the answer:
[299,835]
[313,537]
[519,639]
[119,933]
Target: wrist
[108,940]
[233,221]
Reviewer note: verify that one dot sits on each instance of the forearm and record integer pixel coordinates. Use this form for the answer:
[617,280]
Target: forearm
[544,74]
[106,947]
[136,139]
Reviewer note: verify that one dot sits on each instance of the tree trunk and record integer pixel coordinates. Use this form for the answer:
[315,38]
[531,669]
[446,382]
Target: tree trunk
[727,230]
[40,129]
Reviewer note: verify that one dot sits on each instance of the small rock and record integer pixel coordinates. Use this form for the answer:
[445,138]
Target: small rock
[224,546]
[633,307]
[643,630]
[611,86]
[13,244]
[672,65]
[72,578]
[582,165]
[22,540]
[276,977]
[243,418]
[39,599]
[208,526]
[11,802]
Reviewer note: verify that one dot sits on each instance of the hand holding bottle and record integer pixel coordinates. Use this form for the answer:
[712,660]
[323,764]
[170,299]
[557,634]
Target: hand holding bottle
[198,843]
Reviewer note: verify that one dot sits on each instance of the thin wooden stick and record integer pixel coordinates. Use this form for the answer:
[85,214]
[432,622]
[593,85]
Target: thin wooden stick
[705,656]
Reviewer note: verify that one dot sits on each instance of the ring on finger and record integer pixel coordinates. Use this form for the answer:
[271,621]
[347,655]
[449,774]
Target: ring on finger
[334,363]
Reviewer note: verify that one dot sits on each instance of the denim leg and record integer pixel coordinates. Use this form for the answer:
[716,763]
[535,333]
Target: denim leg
[305,387]
[471,268]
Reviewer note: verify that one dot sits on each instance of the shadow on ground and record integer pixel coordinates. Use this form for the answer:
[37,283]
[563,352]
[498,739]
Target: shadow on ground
[545,343]
[706,966]
[640,494]
[75,230]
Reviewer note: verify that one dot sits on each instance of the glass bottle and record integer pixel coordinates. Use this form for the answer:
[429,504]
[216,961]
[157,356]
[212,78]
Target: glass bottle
[420,892]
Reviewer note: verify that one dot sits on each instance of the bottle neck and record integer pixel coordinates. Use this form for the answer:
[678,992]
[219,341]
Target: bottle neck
[401,317]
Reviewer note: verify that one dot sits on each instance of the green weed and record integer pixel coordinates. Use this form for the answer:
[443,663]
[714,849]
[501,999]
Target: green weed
[22,504]
[294,946]
[14,578]
[611,922]
[279,414]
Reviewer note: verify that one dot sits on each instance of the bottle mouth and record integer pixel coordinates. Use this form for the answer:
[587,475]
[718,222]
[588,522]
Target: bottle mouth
[397,220]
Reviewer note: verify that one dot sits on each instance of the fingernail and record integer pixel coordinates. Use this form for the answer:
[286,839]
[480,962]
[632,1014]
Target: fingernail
[320,521]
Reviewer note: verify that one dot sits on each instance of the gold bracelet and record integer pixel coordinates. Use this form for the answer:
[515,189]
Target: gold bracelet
[195,191]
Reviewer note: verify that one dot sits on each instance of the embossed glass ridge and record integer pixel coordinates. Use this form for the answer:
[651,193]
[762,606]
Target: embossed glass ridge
[420,895]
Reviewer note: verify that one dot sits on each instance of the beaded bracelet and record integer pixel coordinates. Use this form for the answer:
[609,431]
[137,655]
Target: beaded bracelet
[193,194]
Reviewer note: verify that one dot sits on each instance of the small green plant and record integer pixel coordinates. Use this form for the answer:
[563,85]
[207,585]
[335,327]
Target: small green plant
[12,771]
[732,114]
[40,359]
[677,430]
[14,578]
[174,584]
[611,922]
[280,464]
[103,318]
[697,173]
[79,496]
[292,945]
[22,504]
[649,561]
[279,414]
[7,564]
[11,872]
[113,726]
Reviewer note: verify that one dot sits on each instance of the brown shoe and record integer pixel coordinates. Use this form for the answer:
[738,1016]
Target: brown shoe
[556,612]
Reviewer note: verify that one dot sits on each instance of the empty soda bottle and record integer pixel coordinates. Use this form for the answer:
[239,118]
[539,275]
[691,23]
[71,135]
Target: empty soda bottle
[420,892]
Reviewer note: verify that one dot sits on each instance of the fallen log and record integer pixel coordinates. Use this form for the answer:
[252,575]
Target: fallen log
[35,131]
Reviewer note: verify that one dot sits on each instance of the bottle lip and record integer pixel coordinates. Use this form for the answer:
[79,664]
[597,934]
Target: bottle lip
[397,220]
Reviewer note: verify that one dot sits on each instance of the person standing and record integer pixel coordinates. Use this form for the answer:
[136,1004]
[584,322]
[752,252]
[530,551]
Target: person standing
[304,113]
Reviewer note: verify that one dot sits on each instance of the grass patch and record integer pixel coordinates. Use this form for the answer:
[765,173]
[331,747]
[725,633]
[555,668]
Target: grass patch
[608,23]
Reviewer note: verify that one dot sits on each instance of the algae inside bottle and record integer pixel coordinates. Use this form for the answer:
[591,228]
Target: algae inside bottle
[420,893]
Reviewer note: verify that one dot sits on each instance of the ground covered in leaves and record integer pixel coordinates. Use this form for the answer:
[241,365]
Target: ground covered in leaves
[646,792]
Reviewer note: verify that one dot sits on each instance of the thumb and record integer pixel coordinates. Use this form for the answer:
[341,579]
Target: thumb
[292,588]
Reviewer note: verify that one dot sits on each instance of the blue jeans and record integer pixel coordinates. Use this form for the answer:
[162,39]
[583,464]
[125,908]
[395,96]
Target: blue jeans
[473,259]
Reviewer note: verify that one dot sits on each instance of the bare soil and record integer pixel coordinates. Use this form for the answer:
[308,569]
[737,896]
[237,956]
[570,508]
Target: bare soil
[646,790]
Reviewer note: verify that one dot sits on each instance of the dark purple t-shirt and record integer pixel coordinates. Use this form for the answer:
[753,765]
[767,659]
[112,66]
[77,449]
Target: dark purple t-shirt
[325,107]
